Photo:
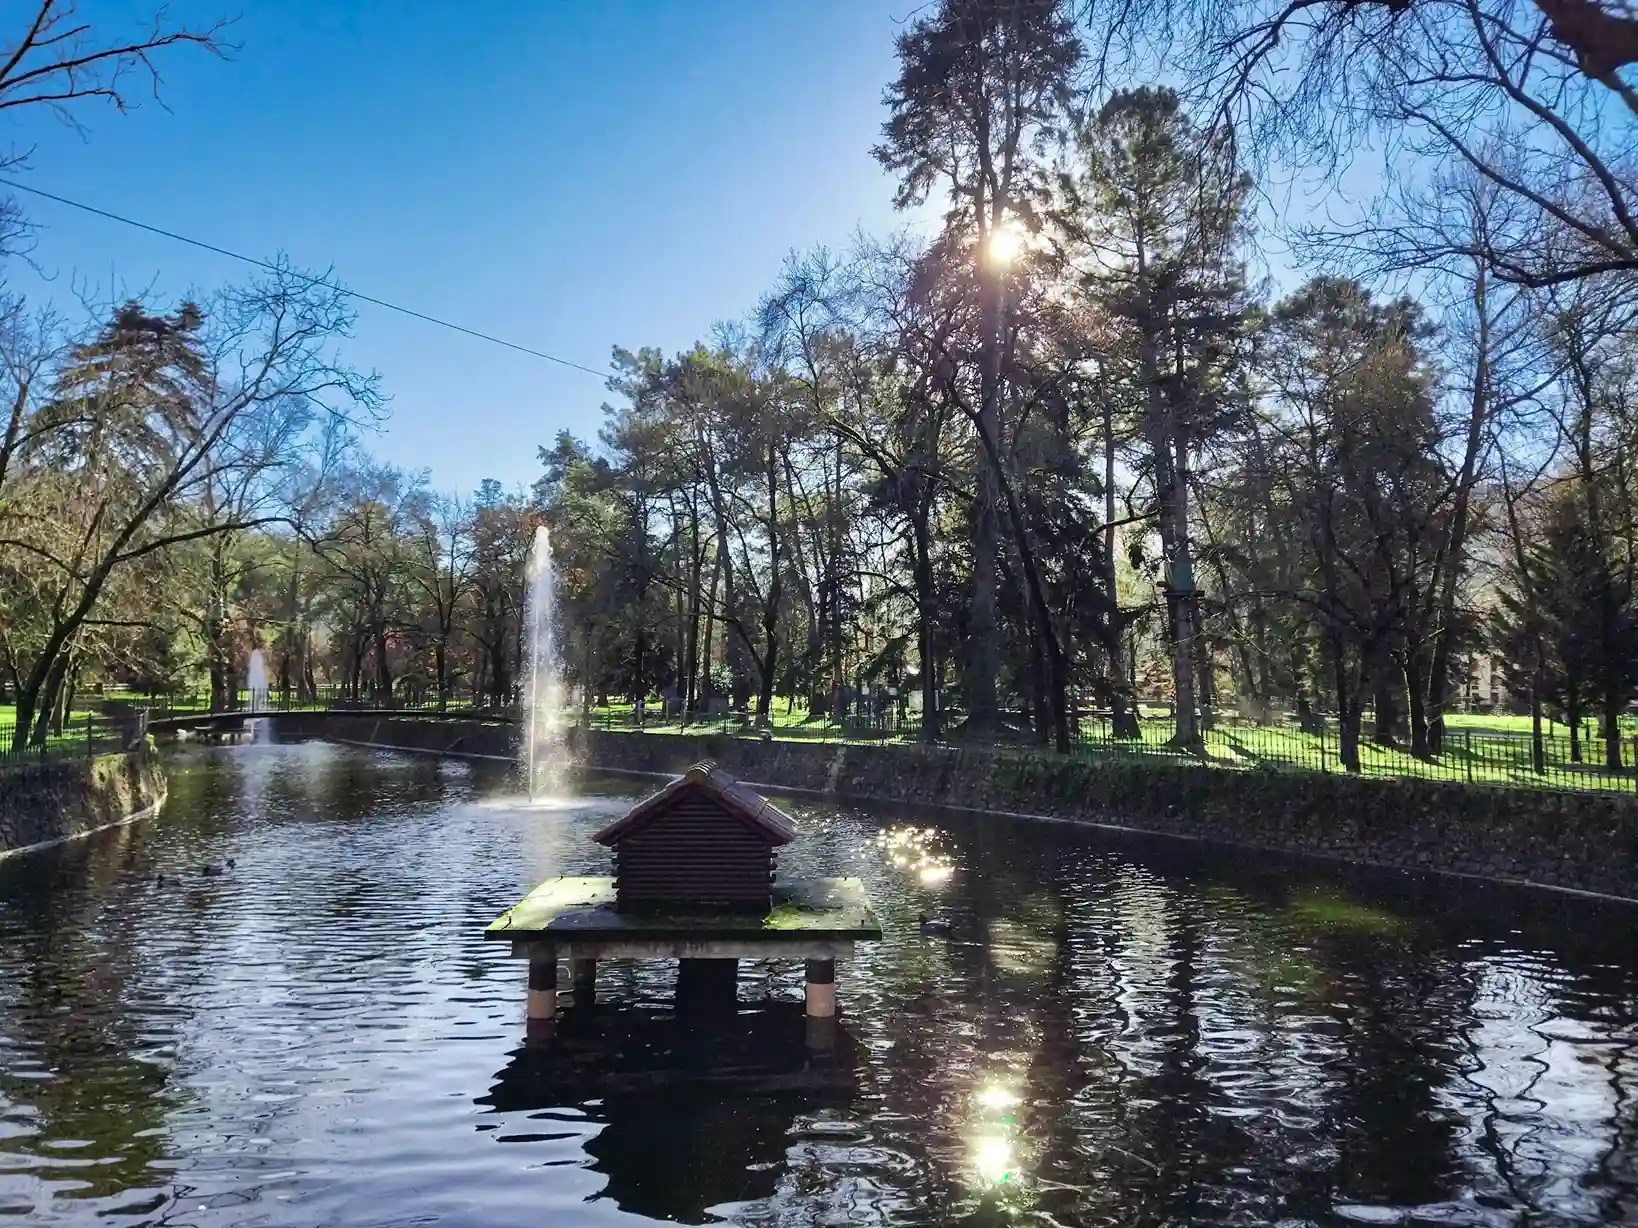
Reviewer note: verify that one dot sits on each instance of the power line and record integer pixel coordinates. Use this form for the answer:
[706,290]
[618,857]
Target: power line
[316,281]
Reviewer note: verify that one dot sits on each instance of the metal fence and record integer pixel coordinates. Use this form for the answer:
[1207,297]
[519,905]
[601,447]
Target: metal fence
[1478,754]
[83,736]
[1475,755]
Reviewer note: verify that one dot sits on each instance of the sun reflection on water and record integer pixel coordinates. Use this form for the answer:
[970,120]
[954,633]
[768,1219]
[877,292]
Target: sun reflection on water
[994,1144]
[918,850]
[992,1157]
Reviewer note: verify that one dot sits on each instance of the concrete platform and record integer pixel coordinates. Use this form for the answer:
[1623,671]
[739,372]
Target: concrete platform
[574,918]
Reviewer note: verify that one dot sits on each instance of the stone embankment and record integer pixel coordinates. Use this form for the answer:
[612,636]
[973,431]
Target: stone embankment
[1577,841]
[44,802]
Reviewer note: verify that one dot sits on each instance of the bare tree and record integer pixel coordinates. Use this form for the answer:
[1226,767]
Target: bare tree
[148,417]
[1538,97]
[440,573]
[57,59]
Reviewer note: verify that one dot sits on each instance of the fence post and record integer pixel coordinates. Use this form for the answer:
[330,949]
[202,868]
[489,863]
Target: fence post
[1467,752]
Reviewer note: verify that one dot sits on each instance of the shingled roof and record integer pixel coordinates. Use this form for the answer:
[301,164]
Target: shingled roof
[756,811]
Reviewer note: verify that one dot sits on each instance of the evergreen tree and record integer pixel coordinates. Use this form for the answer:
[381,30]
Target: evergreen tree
[1568,618]
[983,85]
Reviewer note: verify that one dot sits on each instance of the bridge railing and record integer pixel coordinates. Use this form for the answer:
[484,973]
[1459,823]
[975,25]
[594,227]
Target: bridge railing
[325,698]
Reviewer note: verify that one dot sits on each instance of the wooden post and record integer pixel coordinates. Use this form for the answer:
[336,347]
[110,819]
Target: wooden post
[543,987]
[821,989]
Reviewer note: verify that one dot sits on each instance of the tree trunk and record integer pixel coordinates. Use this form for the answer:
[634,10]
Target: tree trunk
[1612,731]
[776,588]
[691,664]
[1415,685]
[706,686]
[983,649]
[1123,719]
[1538,751]
[1479,411]
[383,669]
[1180,602]
[926,612]
[65,699]
[45,699]
[1386,682]
[1206,690]
[1040,714]
[218,683]
[1347,711]
[764,697]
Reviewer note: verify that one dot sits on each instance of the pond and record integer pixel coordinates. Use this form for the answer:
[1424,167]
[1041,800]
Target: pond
[1114,1030]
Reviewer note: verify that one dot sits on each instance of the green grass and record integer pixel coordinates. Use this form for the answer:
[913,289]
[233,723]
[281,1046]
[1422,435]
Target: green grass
[71,740]
[76,720]
[1519,726]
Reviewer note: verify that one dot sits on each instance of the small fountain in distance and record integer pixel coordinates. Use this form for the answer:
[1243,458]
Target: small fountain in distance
[256,681]
[545,755]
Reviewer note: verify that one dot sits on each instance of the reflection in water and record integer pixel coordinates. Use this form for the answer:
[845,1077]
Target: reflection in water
[1108,1031]
[690,1120]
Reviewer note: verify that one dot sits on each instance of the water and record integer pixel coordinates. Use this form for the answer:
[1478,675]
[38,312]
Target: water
[1113,1032]
[256,681]
[545,757]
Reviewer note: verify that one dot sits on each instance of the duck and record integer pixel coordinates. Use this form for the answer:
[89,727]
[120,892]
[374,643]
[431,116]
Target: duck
[210,871]
[936,926]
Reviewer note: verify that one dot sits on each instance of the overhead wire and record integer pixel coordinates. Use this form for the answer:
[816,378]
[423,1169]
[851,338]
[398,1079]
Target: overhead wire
[311,280]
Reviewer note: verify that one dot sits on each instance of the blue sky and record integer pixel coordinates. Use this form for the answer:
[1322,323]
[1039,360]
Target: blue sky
[568,174]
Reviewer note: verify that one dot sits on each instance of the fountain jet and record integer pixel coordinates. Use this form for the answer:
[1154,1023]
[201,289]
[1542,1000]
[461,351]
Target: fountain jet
[545,757]
[256,680]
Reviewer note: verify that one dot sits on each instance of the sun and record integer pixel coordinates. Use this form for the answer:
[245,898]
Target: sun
[1006,242]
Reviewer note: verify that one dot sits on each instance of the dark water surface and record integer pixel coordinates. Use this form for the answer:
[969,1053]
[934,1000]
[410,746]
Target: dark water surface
[1112,1032]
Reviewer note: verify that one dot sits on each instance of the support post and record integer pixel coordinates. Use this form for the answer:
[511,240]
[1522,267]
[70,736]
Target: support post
[821,989]
[543,987]
[706,985]
[820,1035]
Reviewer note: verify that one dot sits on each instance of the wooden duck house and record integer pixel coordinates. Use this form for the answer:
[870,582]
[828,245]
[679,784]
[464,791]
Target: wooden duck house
[702,842]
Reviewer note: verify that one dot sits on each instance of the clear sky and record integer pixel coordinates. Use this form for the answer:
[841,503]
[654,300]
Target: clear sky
[568,174]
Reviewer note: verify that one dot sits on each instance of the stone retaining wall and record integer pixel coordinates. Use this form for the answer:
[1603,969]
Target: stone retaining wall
[434,735]
[58,799]
[1579,841]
